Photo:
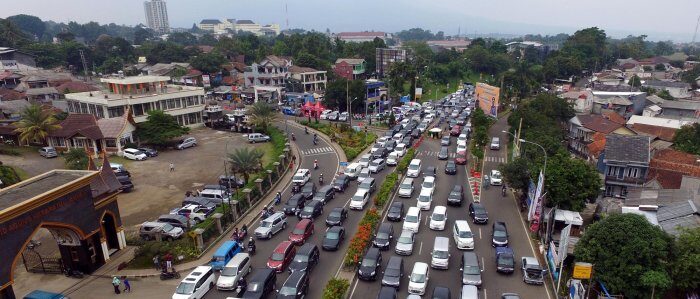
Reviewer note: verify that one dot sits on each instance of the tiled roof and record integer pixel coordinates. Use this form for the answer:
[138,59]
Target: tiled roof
[106,182]
[659,83]
[278,61]
[598,144]
[668,179]
[210,21]
[682,105]
[363,34]
[299,69]
[678,215]
[112,127]
[9,75]
[249,22]
[9,94]
[623,148]
[41,91]
[598,123]
[614,117]
[75,86]
[662,133]
[13,106]
[83,124]
[655,99]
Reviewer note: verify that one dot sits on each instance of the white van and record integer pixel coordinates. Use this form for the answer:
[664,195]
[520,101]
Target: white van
[196,284]
[257,137]
[469,292]
[301,176]
[237,267]
[418,281]
[398,137]
[414,168]
[412,220]
[440,256]
[393,159]
[439,218]
[364,160]
[359,200]
[495,143]
[425,199]
[462,234]
[353,170]
[364,173]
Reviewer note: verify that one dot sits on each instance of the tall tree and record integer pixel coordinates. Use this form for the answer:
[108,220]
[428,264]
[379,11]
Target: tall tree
[160,128]
[570,183]
[685,269]
[246,161]
[11,35]
[624,248]
[30,24]
[517,174]
[262,115]
[687,139]
[208,63]
[36,124]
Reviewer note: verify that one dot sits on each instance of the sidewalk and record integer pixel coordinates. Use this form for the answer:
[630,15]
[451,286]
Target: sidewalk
[248,218]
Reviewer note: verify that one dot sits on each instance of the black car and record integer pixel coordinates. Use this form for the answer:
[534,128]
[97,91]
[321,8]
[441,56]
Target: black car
[415,133]
[337,216]
[149,152]
[382,239]
[478,213]
[430,171]
[334,236]
[456,196]
[311,210]
[324,194]
[261,284]
[305,259]
[370,265]
[294,204]
[127,185]
[386,293]
[441,293]
[499,234]
[450,167]
[295,287]
[308,190]
[393,272]
[444,153]
[390,145]
[408,140]
[395,211]
[225,180]
[445,141]
[341,183]
[380,153]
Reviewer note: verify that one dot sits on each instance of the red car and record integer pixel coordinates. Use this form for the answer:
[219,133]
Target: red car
[282,256]
[461,158]
[302,231]
[456,130]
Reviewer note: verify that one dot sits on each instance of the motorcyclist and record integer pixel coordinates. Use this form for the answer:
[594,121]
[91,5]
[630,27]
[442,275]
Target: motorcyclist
[315,164]
[251,244]
[315,137]
[320,178]
[235,236]
[278,198]
[503,190]
[306,130]
[242,285]
[294,138]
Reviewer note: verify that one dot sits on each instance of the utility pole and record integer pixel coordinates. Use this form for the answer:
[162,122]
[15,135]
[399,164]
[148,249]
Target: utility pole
[347,101]
[82,58]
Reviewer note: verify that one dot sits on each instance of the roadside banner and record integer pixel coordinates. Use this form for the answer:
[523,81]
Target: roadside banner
[419,93]
[583,270]
[487,98]
[537,196]
[206,81]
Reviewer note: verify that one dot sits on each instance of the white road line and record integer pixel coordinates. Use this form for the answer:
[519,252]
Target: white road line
[353,288]
[486,296]
[480,233]
[426,220]
[420,249]
[483,264]
[319,154]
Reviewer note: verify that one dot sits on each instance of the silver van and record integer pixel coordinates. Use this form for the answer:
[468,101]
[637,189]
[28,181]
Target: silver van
[271,225]
[495,143]
[238,267]
[470,268]
[187,142]
[257,137]
[149,230]
[440,256]
[406,188]
[469,292]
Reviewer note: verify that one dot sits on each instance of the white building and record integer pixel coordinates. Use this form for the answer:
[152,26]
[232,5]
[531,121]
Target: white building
[223,26]
[313,81]
[157,15]
[141,94]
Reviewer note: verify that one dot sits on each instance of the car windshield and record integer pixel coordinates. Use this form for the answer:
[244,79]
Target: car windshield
[405,240]
[229,271]
[424,198]
[288,291]
[411,218]
[254,287]
[439,254]
[277,256]
[307,188]
[302,258]
[365,159]
[185,288]
[338,182]
[392,272]
[505,259]
[374,163]
[499,234]
[332,235]
[334,215]
[358,198]
[382,235]
[438,217]
[454,194]
[406,186]
[428,184]
[413,167]
[309,209]
[416,277]
[367,262]
[465,234]
[292,202]
[167,227]
[496,175]
[471,270]
[298,178]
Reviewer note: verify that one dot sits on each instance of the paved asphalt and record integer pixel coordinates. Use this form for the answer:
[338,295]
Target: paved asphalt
[330,261]
[499,209]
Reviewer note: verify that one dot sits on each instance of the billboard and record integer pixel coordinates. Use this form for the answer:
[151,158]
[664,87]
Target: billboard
[419,93]
[487,98]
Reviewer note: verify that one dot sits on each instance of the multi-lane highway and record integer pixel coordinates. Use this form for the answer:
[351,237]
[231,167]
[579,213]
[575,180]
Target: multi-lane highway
[499,208]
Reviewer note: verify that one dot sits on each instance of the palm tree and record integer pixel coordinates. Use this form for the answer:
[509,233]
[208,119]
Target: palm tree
[262,115]
[245,161]
[36,123]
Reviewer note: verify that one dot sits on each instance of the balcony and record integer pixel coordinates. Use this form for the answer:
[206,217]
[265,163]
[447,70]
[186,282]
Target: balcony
[626,181]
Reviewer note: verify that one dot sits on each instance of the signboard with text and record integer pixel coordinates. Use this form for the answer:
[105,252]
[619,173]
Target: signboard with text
[487,98]
[583,270]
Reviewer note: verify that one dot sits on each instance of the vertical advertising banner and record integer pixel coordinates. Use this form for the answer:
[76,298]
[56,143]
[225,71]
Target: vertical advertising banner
[536,207]
[487,98]
[206,81]
[419,93]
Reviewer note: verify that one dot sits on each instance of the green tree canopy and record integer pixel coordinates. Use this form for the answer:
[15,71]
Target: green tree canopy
[685,269]
[160,128]
[687,139]
[262,115]
[570,183]
[623,249]
[246,161]
[36,123]
[76,159]
[30,24]
[208,62]
[517,173]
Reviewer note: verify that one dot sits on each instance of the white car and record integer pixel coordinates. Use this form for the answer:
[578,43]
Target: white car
[418,281]
[462,139]
[496,178]
[365,159]
[414,168]
[359,200]
[400,149]
[134,154]
[301,176]
[428,185]
[412,220]
[324,114]
[425,199]
[439,218]
[382,141]
[462,235]
[343,116]
[393,159]
[461,148]
[192,211]
[406,188]
[376,165]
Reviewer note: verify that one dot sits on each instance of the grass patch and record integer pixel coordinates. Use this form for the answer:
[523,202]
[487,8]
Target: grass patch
[442,90]
[352,142]
[268,149]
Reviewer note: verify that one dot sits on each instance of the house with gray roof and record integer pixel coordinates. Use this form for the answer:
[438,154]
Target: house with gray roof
[624,163]
[679,90]
[675,217]
[680,109]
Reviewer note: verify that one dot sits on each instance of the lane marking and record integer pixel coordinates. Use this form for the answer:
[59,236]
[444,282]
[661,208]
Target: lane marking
[420,249]
[353,288]
[486,296]
[483,264]
[480,233]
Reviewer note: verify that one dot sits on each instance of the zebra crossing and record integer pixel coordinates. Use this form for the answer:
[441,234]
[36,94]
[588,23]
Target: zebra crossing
[495,159]
[317,151]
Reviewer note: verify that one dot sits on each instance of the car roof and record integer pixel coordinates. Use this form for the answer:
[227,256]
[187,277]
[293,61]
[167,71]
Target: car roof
[407,232]
[394,261]
[336,228]
[386,227]
[420,267]
[440,209]
[397,204]
[282,247]
[504,250]
[499,224]
[373,252]
[303,223]
[462,225]
[337,209]
[306,248]
[361,192]
[199,271]
[531,260]
[296,196]
[408,180]
[325,188]
[261,273]
[424,192]
[294,278]
[457,187]
[413,210]
[429,178]
[302,171]
[314,203]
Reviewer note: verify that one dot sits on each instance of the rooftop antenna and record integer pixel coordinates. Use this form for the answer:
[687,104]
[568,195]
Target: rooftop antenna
[286,15]
[695,34]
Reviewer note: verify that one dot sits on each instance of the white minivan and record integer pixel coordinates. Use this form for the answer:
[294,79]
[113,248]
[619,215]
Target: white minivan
[412,220]
[418,281]
[438,218]
[462,234]
[359,200]
[440,256]
[414,168]
[196,284]
[353,170]
[425,199]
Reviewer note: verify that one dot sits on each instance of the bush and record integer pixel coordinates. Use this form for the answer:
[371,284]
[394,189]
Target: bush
[351,141]
[385,191]
[8,176]
[336,288]
[6,150]
[143,257]
[403,164]
[361,240]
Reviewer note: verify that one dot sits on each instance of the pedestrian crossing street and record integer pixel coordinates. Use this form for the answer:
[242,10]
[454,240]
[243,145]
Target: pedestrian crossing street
[496,159]
[317,151]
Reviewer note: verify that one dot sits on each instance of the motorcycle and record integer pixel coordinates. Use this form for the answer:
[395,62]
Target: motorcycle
[251,248]
[503,191]
[315,142]
[320,179]
[165,275]
[73,273]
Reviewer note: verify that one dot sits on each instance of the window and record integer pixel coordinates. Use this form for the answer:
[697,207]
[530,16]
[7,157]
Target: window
[58,141]
[612,170]
[634,172]
[138,109]
[111,142]
[79,142]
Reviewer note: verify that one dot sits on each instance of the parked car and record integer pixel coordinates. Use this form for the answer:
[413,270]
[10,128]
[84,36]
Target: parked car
[148,151]
[119,170]
[499,234]
[231,181]
[370,265]
[336,216]
[134,154]
[195,212]
[127,185]
[404,244]
[311,210]
[478,213]
[306,259]
[186,143]
[176,221]
[395,212]
[281,256]
[456,196]
[257,137]
[302,231]
[334,236]
[48,152]
[383,237]
[148,231]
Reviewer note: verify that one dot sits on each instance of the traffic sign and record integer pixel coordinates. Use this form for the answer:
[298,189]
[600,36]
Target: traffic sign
[583,270]
[343,164]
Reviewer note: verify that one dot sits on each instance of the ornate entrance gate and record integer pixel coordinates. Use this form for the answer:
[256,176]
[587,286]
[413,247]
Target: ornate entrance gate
[35,263]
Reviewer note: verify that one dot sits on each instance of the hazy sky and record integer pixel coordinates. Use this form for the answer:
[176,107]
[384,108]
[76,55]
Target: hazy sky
[669,19]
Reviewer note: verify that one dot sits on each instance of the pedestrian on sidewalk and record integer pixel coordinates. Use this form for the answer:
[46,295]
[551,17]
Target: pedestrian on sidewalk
[127,285]
[168,261]
[156,262]
[116,283]
[172,167]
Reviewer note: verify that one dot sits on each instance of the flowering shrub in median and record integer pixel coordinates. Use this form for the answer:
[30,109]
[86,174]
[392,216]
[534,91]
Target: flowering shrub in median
[336,288]
[403,164]
[362,238]
[385,190]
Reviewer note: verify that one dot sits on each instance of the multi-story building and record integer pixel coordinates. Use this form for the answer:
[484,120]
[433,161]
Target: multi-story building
[365,36]
[157,15]
[312,80]
[271,71]
[223,26]
[141,94]
[624,163]
[350,68]
[385,57]
[211,25]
